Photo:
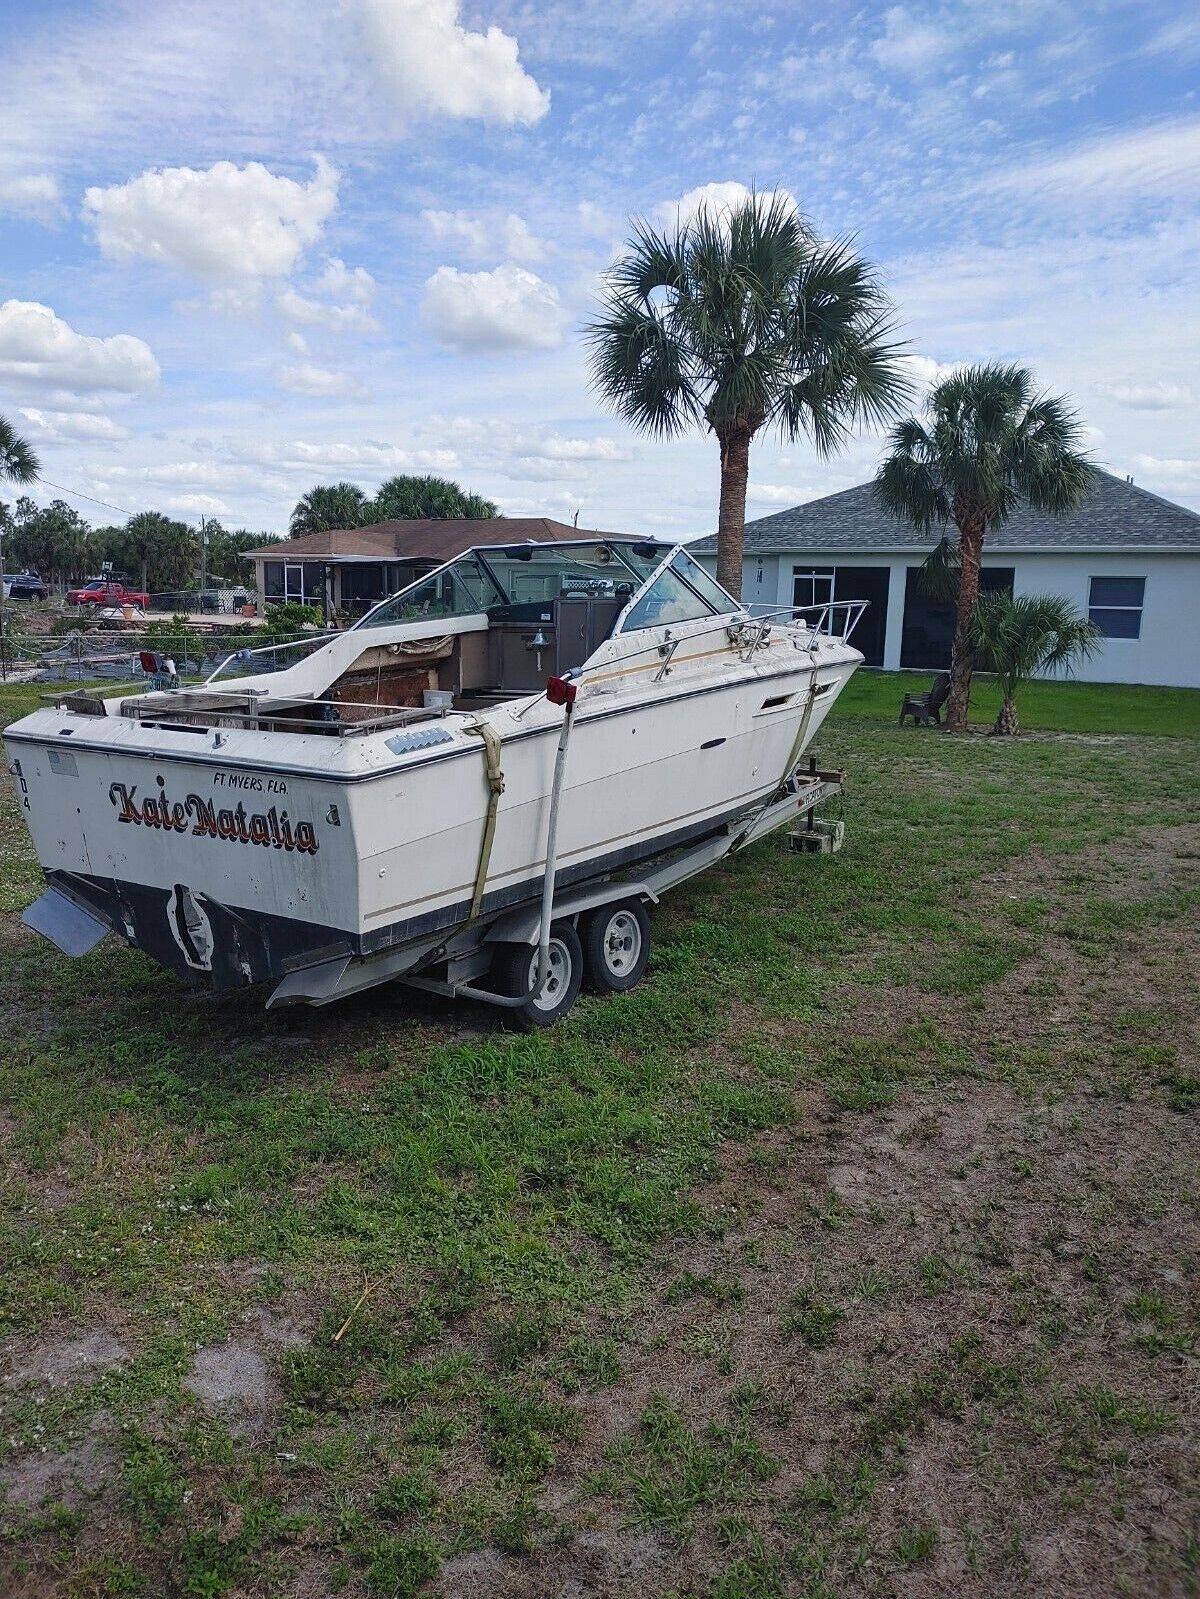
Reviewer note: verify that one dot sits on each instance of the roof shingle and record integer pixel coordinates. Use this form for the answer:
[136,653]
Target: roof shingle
[1116,515]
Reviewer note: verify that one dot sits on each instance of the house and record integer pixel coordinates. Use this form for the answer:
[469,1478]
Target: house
[1127,558]
[347,570]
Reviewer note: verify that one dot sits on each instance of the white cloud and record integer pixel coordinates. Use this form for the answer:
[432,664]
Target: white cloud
[316,380]
[556,448]
[595,221]
[776,494]
[303,455]
[198,504]
[322,314]
[431,63]
[907,44]
[39,350]
[924,372]
[35,195]
[1175,470]
[340,282]
[508,309]
[1158,396]
[73,425]
[480,235]
[1158,162]
[713,198]
[223,221]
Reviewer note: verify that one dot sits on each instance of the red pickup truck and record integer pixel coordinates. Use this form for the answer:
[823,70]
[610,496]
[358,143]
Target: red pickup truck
[104,591]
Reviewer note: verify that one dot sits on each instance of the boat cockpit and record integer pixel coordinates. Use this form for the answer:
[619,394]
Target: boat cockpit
[487,627]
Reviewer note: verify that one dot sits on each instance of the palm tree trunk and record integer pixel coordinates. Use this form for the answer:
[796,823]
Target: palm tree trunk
[1006,723]
[731,523]
[971,527]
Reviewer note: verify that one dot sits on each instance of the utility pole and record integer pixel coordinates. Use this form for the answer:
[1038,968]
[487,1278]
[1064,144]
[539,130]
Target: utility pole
[203,558]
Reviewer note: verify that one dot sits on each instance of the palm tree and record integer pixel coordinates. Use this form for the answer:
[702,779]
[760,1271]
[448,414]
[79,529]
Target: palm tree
[328,505]
[18,464]
[990,443]
[1019,638]
[744,320]
[411,496]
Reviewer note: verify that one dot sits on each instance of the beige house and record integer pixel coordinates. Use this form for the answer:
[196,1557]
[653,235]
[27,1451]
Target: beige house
[347,570]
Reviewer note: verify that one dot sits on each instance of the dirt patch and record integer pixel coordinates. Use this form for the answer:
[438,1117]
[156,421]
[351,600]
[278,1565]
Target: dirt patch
[231,1377]
[60,1362]
[44,1477]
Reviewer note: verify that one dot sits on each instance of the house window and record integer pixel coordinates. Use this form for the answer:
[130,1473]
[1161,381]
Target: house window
[1115,605]
[812,586]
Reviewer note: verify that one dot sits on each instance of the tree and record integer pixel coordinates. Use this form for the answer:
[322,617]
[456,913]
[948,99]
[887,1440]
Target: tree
[743,320]
[18,464]
[1020,638]
[989,444]
[414,497]
[328,505]
[227,552]
[51,539]
[165,552]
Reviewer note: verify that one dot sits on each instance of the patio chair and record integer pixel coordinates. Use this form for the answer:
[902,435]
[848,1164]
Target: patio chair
[926,709]
[160,669]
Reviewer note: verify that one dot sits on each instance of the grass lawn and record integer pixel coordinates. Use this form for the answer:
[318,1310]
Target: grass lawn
[855,1253]
[1066,707]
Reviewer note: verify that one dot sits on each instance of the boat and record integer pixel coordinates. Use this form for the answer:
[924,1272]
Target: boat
[523,724]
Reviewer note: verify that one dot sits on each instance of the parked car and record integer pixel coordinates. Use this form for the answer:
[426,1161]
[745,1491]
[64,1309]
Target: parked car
[107,591]
[25,586]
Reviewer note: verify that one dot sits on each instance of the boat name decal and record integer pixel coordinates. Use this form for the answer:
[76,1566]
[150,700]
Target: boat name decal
[200,817]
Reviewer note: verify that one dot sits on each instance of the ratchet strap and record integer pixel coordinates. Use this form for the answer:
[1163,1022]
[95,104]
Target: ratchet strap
[802,733]
[495,777]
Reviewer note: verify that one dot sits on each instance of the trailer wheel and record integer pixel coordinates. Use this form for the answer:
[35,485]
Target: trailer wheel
[516,969]
[616,947]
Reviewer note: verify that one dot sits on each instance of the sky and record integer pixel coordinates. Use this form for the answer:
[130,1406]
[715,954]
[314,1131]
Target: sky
[248,246]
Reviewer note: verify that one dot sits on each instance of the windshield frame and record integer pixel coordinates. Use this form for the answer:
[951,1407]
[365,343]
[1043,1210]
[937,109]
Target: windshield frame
[667,564]
[481,552]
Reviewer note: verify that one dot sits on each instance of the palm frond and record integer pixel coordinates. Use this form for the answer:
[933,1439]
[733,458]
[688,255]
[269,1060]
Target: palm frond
[18,461]
[639,367]
[940,571]
[1030,634]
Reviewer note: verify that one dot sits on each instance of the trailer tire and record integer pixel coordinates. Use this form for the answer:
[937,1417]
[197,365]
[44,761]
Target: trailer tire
[515,972]
[616,947]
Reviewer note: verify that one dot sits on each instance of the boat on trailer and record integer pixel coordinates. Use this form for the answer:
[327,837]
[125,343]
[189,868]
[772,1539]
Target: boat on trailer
[477,788]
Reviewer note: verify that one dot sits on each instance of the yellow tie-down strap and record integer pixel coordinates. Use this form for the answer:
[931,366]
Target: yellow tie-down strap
[495,777]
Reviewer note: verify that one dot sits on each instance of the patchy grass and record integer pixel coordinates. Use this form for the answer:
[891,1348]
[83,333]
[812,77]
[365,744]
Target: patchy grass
[853,1253]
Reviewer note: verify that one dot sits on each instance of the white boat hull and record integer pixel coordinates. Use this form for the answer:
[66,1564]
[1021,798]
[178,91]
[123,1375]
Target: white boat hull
[237,856]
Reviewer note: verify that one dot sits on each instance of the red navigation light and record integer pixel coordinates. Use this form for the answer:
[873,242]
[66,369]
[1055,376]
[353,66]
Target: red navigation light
[561,691]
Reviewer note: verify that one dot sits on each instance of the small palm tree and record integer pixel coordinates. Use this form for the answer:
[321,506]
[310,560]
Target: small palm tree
[744,320]
[990,443]
[326,506]
[1023,637]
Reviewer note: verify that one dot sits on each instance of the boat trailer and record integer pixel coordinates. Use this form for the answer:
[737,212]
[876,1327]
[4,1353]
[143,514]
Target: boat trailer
[595,933]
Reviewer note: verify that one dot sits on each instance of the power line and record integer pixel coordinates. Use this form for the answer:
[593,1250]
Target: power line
[78,494]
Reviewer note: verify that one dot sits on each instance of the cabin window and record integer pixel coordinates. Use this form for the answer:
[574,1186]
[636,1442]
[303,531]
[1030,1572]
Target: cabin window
[1115,605]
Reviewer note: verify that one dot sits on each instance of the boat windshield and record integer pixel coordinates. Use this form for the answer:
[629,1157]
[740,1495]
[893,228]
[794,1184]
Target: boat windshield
[488,579]
[682,592]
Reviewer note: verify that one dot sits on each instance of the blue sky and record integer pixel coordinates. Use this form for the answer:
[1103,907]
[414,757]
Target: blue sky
[251,245]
